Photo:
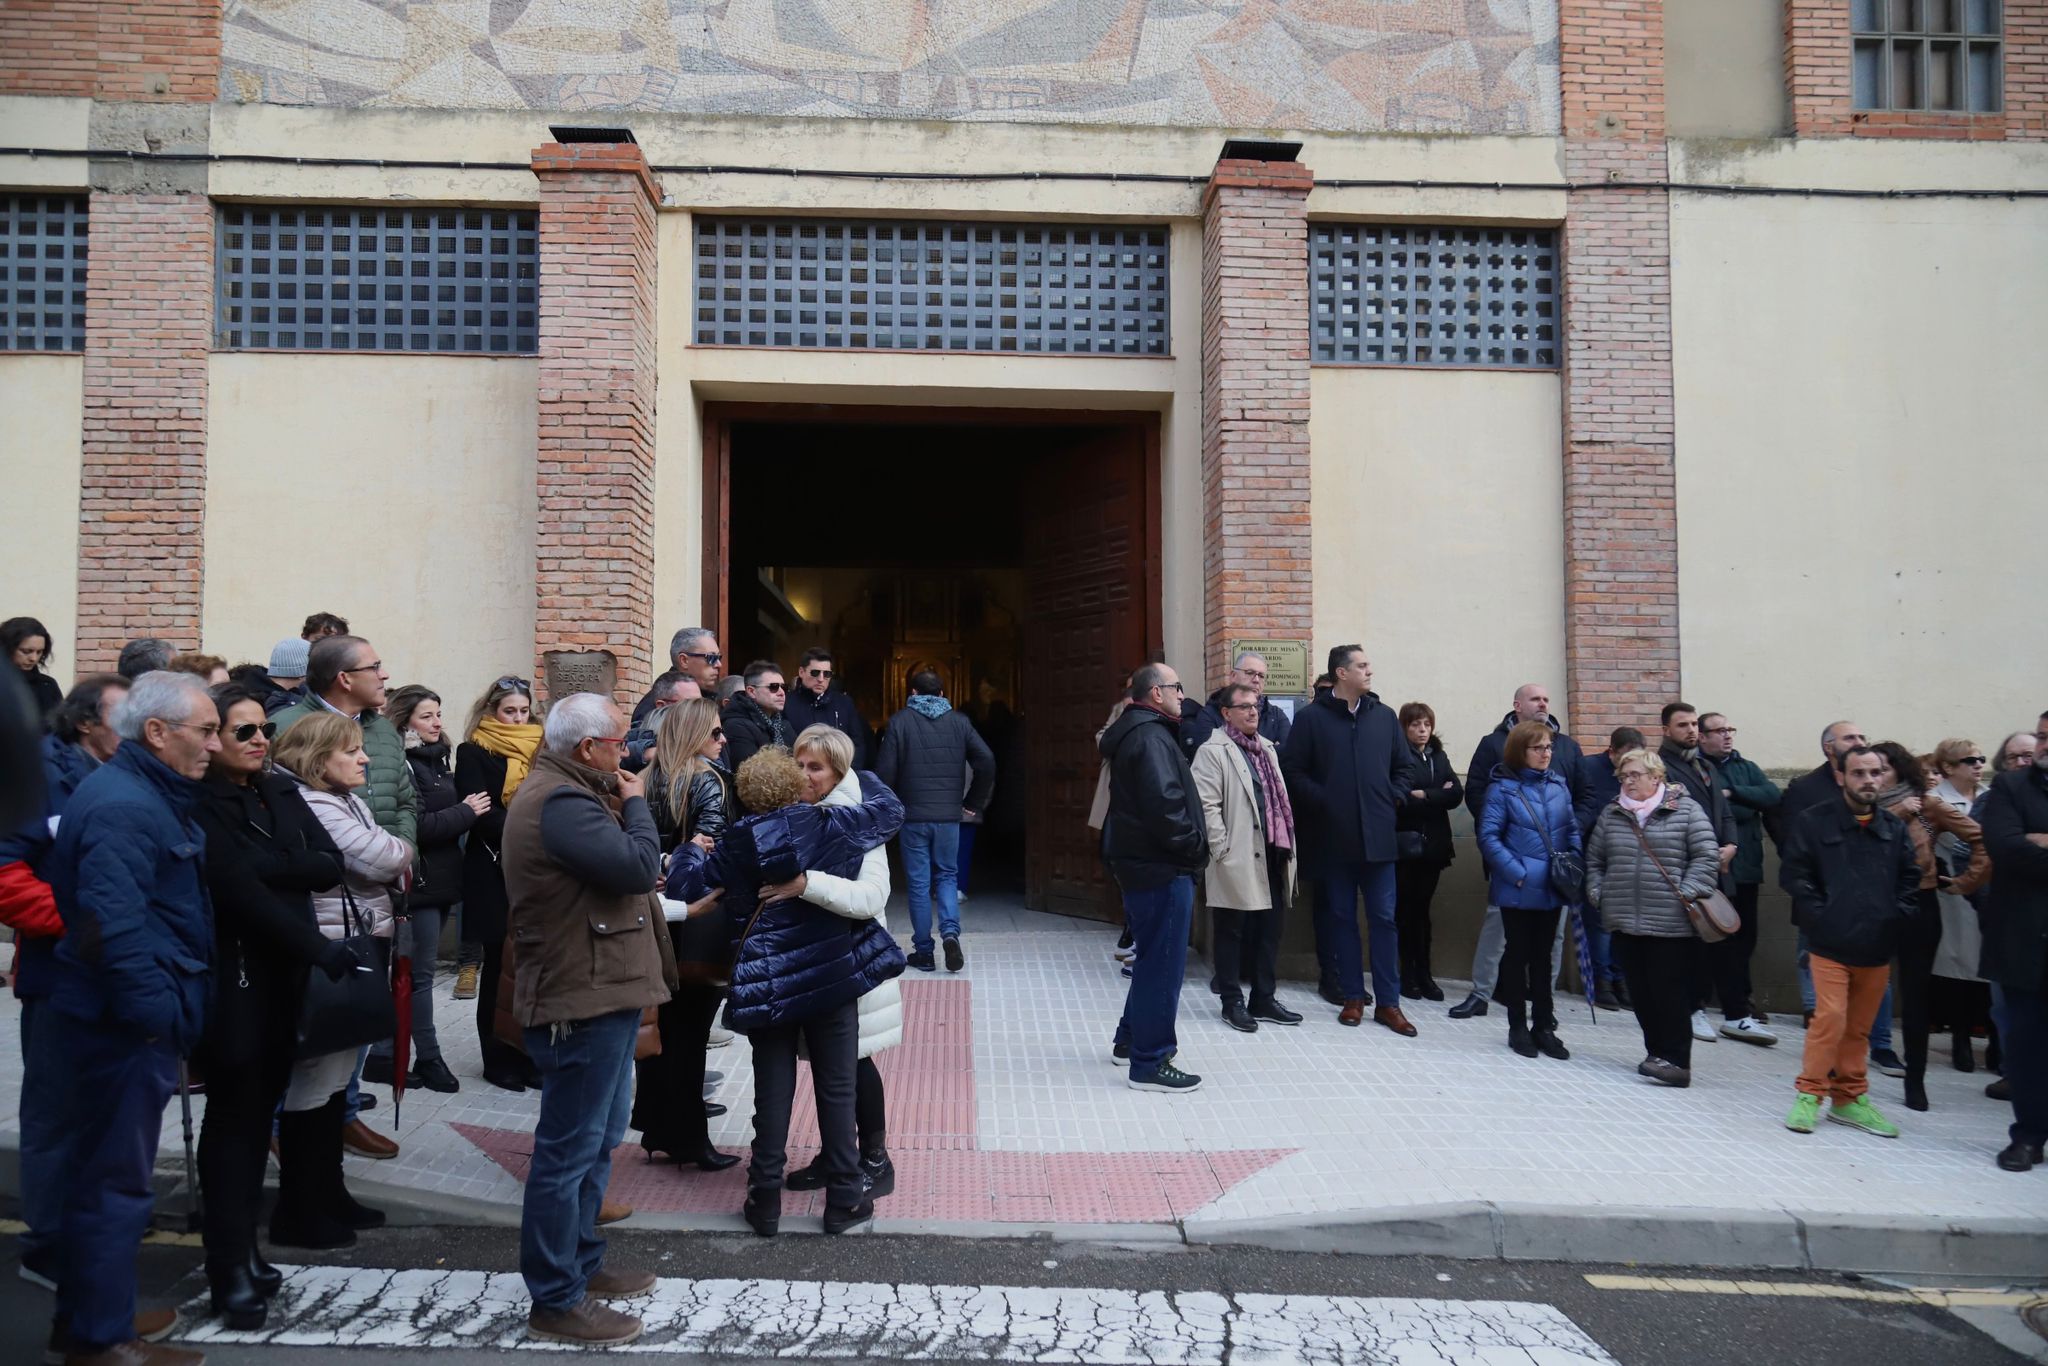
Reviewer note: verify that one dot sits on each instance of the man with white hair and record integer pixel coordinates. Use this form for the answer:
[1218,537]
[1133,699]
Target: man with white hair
[1249,671]
[131,986]
[581,861]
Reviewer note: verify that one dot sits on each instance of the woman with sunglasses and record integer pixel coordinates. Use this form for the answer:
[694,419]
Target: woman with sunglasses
[502,736]
[445,817]
[1962,768]
[266,854]
[690,795]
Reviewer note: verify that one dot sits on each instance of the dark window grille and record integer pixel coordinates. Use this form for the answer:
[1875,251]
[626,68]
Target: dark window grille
[846,284]
[1407,294]
[1940,55]
[42,272]
[314,278]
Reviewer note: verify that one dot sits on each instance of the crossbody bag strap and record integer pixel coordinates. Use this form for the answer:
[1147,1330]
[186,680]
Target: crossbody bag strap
[1658,863]
[1542,825]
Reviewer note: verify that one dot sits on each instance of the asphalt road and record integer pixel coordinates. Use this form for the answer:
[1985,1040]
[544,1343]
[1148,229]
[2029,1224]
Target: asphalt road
[1637,1327]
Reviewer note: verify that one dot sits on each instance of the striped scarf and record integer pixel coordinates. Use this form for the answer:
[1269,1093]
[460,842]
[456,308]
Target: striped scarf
[1279,813]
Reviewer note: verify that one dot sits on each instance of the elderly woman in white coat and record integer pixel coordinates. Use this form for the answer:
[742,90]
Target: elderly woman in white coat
[324,755]
[1250,882]
[825,755]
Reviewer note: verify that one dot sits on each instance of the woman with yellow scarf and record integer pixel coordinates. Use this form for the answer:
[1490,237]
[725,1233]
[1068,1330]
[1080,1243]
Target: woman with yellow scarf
[503,736]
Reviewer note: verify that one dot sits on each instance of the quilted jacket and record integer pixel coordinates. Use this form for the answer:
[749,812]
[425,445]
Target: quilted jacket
[1517,855]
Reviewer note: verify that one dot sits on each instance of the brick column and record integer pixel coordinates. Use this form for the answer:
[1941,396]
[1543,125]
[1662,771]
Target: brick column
[1620,501]
[142,477]
[1255,460]
[595,569]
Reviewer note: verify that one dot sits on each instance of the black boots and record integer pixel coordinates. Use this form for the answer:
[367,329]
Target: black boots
[763,1210]
[877,1172]
[269,1280]
[236,1298]
[308,1214]
[839,1220]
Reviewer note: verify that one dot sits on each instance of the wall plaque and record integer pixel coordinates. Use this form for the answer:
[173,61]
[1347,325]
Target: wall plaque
[1287,671]
[574,671]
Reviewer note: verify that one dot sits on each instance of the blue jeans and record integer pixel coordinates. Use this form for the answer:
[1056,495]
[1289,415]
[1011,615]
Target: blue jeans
[931,859]
[1160,918]
[1337,941]
[353,1105]
[45,1141]
[586,1096]
[115,1087]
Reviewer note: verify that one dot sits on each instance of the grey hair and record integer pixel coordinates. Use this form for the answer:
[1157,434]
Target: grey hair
[159,695]
[1238,663]
[576,718]
[145,655]
[685,638]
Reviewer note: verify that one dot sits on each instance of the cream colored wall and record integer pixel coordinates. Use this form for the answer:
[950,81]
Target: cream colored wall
[1724,68]
[1859,422]
[397,491]
[1438,539]
[43,121]
[39,455]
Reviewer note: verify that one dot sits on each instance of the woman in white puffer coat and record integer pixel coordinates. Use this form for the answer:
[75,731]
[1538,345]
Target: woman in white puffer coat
[826,756]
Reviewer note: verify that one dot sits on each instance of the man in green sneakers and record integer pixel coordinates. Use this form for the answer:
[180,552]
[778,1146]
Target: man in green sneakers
[1850,870]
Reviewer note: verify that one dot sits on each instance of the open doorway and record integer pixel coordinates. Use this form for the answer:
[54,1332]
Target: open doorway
[1015,554]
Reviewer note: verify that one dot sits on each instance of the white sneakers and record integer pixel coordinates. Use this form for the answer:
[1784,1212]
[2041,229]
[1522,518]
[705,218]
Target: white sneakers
[1702,1027]
[1749,1031]
[719,1037]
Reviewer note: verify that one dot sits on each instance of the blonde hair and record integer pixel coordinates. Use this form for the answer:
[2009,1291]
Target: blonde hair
[830,742]
[679,738]
[307,746]
[1642,759]
[770,780]
[1951,752]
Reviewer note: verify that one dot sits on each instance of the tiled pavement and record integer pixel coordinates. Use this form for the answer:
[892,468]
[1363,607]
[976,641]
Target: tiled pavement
[1004,1108]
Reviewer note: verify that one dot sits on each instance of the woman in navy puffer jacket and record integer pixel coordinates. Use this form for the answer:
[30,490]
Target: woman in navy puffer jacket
[1528,814]
[798,971]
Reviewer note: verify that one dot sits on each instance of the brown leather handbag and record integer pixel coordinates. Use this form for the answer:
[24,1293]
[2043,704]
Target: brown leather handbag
[1713,916]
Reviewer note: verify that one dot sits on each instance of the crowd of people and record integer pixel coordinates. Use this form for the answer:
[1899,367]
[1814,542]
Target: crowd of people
[235,866]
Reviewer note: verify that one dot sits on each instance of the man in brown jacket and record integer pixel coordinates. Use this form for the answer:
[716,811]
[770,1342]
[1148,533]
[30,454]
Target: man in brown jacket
[581,860]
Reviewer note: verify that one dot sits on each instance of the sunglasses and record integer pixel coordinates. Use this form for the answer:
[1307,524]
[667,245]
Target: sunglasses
[713,658]
[245,733]
[1975,760]
[515,683]
[772,687]
[818,673]
[718,732]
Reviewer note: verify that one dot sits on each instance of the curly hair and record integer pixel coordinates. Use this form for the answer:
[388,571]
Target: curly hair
[770,780]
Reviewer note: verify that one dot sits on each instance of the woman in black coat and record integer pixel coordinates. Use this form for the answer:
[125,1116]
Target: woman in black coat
[266,854]
[25,642]
[445,818]
[690,795]
[502,739]
[1423,825]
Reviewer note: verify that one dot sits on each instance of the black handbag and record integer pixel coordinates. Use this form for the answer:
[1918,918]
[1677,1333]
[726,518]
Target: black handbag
[1567,869]
[355,1012]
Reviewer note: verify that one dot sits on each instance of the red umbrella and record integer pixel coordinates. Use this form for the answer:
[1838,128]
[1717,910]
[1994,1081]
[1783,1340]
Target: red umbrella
[401,1004]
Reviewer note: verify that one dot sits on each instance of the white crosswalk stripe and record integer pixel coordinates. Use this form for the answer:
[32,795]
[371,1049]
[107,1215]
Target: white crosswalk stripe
[369,1307]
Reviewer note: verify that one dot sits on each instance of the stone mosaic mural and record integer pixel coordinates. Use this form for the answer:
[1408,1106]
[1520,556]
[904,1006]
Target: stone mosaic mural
[1471,66]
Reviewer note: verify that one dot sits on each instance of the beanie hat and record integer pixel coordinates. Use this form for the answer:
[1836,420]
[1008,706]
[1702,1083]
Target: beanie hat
[288,658]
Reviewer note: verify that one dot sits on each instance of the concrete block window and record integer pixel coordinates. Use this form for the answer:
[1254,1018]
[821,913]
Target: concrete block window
[1940,55]
[1422,295]
[42,272]
[296,277]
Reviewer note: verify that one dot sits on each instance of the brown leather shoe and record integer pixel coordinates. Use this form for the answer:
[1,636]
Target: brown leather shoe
[620,1285]
[151,1325]
[1352,1013]
[1392,1018]
[589,1324]
[611,1211]
[137,1353]
[363,1141]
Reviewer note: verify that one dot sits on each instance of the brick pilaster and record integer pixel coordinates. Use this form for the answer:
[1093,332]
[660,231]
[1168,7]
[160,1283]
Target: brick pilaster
[1818,85]
[1620,503]
[150,50]
[1255,458]
[595,569]
[142,484]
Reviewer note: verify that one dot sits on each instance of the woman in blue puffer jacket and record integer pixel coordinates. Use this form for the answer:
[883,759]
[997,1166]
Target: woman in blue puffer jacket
[1528,815]
[798,970]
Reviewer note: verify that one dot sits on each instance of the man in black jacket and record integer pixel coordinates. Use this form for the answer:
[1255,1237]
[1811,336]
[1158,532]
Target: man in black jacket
[1347,767]
[1155,840]
[753,720]
[815,702]
[1531,703]
[1855,883]
[1248,672]
[2015,821]
[926,749]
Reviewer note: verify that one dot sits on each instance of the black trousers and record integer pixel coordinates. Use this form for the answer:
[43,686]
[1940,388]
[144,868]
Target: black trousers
[1914,984]
[1414,888]
[234,1143]
[668,1090]
[1659,973]
[497,1054]
[1723,973]
[831,1040]
[1246,944]
[870,1117]
[1525,969]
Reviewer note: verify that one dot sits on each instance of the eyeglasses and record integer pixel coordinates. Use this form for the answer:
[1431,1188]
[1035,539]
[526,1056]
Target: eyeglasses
[1545,748]
[245,733]
[209,730]
[772,687]
[713,658]
[374,666]
[514,683]
[1717,730]
[609,739]
[1975,760]
[1253,673]
[1242,706]
[818,673]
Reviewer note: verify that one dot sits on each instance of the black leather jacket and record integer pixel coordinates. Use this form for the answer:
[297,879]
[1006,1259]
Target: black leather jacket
[1155,831]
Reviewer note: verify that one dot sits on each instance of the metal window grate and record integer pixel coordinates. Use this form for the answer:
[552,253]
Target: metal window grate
[42,272]
[314,278]
[1942,55]
[1405,294]
[834,284]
